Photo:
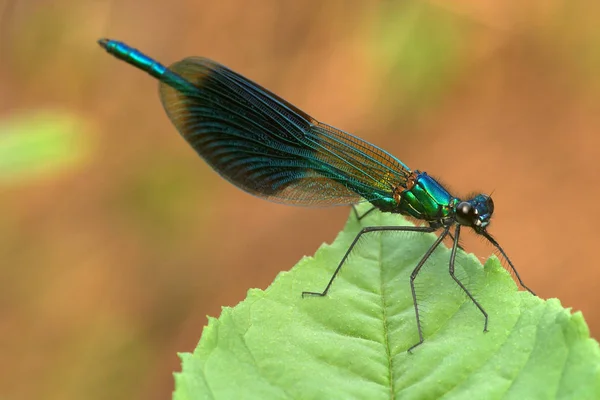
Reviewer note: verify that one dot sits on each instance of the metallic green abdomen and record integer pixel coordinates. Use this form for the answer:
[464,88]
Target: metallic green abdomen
[426,199]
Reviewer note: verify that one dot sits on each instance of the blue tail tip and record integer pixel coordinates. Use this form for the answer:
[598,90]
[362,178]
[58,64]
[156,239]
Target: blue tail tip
[103,42]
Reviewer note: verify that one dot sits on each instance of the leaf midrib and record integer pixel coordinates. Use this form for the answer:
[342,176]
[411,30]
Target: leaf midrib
[385,322]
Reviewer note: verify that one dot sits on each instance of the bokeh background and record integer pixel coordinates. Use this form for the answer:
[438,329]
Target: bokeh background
[116,240]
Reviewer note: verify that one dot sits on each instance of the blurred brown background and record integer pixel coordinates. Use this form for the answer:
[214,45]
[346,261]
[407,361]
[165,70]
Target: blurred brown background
[116,244]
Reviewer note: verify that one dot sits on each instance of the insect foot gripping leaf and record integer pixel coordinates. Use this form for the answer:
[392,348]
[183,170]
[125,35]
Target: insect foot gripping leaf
[351,344]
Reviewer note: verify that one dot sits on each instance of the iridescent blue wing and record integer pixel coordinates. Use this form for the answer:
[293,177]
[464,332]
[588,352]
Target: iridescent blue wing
[268,147]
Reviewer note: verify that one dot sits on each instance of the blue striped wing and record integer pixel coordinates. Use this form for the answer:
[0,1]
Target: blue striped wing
[268,147]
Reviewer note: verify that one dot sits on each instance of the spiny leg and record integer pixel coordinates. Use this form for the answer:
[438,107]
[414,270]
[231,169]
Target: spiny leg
[413,276]
[493,241]
[459,246]
[451,269]
[359,217]
[421,229]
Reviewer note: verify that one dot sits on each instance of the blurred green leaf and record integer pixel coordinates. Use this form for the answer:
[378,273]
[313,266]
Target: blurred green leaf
[162,197]
[353,343]
[41,144]
[421,43]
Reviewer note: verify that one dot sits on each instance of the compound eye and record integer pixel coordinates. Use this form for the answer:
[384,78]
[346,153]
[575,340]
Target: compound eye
[464,213]
[490,205]
[464,208]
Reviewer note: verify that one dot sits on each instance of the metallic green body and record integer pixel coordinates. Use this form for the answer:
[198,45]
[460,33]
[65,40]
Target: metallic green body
[427,200]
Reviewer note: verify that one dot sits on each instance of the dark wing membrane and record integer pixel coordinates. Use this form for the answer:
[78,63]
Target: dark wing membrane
[268,147]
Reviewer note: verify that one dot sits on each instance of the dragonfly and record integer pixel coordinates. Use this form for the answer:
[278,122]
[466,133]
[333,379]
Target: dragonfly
[269,148]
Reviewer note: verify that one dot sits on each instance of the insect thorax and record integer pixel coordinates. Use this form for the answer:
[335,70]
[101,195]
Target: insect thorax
[426,199]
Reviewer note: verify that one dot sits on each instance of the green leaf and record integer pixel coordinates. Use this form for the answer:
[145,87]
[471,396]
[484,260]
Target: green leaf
[40,144]
[352,344]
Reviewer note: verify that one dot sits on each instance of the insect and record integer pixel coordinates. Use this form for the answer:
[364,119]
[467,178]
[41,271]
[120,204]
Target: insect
[271,149]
